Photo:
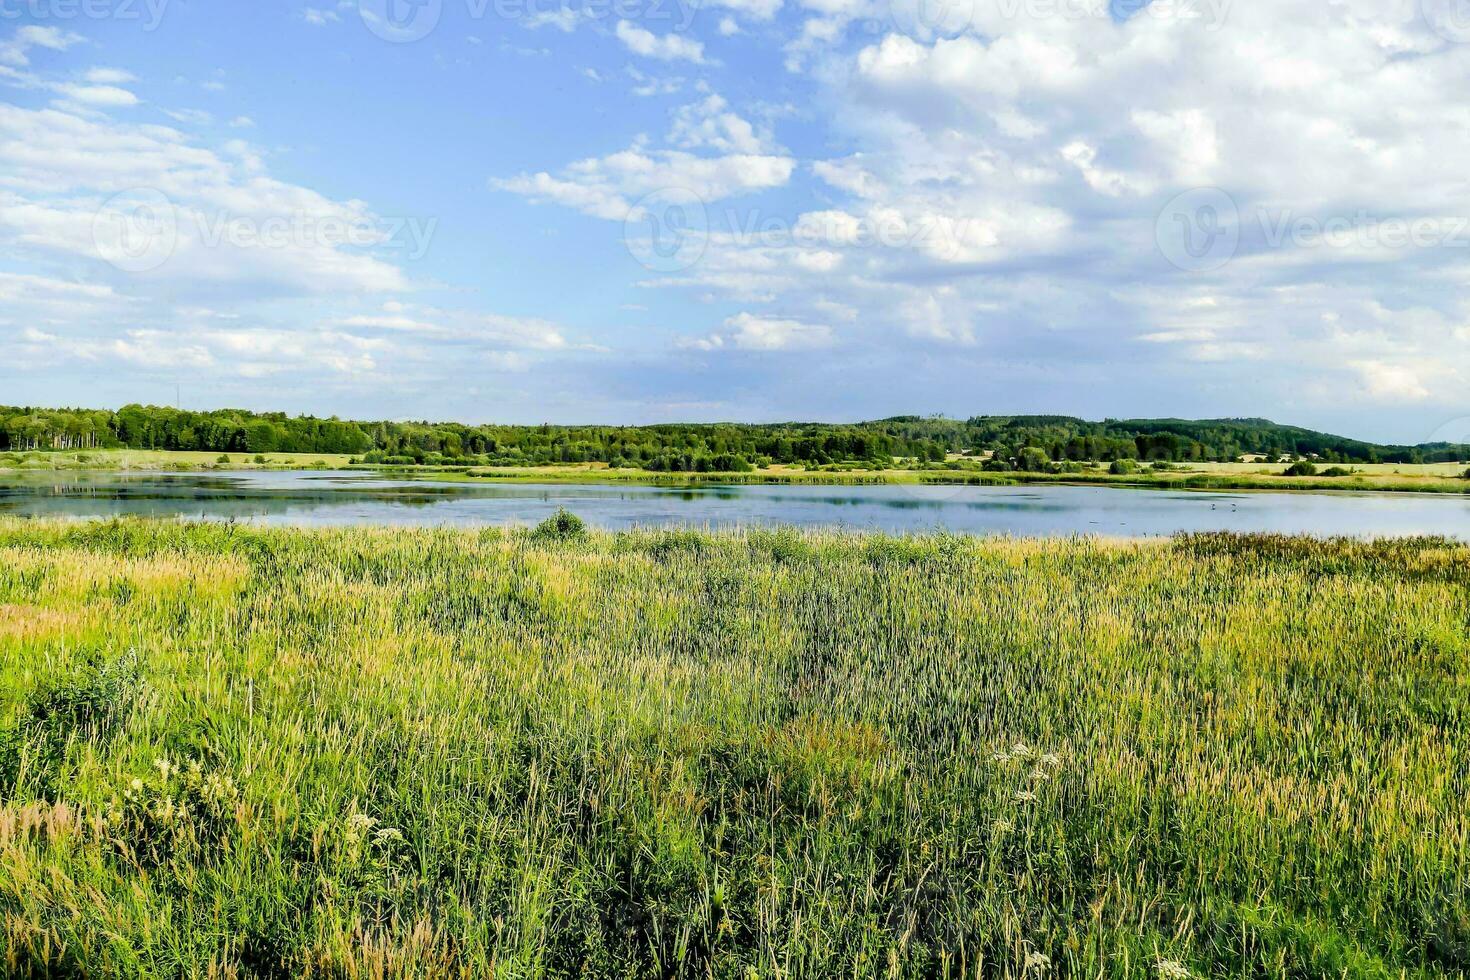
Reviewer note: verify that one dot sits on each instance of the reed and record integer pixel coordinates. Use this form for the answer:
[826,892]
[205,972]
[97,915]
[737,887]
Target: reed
[234,752]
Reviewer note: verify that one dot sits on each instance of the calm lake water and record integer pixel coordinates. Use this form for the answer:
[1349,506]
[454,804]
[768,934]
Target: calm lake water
[321,497]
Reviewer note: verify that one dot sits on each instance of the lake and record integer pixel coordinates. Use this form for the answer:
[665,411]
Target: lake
[328,497]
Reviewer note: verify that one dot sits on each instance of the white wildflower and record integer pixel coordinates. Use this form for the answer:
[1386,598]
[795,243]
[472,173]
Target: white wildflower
[1038,961]
[1172,970]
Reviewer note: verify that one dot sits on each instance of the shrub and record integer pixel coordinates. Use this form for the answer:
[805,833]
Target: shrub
[260,458]
[1122,467]
[1301,468]
[1336,471]
[561,526]
[92,705]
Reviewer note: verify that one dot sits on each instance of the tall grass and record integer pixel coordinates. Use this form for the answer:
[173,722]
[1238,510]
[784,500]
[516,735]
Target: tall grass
[384,753]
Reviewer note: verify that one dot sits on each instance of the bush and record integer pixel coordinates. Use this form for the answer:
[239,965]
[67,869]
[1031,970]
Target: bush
[1336,471]
[1301,468]
[260,458]
[561,526]
[223,459]
[90,705]
[1122,467]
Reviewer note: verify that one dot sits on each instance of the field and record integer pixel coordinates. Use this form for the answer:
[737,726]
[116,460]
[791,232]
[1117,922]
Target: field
[162,459]
[381,753]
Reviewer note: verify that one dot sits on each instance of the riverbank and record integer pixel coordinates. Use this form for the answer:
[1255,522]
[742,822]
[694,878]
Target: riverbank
[234,751]
[1363,478]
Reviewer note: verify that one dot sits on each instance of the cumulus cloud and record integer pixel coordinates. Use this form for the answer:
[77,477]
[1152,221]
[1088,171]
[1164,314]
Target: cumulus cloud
[665,47]
[749,332]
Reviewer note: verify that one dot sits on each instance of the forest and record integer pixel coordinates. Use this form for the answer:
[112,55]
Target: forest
[1002,442]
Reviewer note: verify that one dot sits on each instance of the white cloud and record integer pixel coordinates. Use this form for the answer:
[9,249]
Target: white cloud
[1391,382]
[710,124]
[61,168]
[108,76]
[667,47]
[748,332]
[16,50]
[608,187]
[105,96]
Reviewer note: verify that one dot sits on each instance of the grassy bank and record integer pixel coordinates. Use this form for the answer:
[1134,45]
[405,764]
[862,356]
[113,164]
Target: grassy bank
[1429,478]
[163,459]
[238,752]
[1401,477]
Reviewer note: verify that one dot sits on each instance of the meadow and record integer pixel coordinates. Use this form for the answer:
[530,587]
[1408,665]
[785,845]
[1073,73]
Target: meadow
[237,752]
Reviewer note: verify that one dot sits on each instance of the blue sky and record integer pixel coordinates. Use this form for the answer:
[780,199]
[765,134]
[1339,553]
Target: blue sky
[648,210]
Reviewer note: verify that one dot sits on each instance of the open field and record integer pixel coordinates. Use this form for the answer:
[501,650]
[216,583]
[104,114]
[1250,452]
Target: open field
[162,459]
[239,752]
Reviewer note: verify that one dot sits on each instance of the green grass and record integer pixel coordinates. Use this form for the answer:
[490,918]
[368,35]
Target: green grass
[163,459]
[230,751]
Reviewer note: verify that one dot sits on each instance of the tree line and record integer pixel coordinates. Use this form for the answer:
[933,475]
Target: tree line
[997,442]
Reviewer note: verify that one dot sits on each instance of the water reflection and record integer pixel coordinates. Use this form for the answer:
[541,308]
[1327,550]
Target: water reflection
[333,497]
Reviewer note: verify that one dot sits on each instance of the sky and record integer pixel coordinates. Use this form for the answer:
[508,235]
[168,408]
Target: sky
[635,211]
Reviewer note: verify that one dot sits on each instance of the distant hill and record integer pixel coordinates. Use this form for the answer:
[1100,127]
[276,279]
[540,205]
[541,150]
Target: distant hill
[702,446]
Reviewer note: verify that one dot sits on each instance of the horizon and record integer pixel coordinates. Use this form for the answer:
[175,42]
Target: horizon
[1462,428]
[679,212]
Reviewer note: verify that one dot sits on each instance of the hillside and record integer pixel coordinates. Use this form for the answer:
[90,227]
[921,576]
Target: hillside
[1019,440]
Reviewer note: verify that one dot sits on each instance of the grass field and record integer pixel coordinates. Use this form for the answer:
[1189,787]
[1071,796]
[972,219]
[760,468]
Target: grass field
[232,752]
[162,459]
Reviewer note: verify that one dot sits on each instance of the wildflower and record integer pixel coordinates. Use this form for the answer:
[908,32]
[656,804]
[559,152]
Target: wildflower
[164,767]
[359,824]
[1039,775]
[1037,961]
[1021,750]
[136,785]
[1051,759]
[1000,757]
[1172,970]
[1002,826]
[389,835]
[1024,796]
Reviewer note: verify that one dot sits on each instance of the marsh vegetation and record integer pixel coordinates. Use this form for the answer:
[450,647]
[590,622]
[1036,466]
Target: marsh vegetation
[244,752]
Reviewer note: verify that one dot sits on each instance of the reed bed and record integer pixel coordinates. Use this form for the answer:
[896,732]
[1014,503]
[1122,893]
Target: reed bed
[233,752]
